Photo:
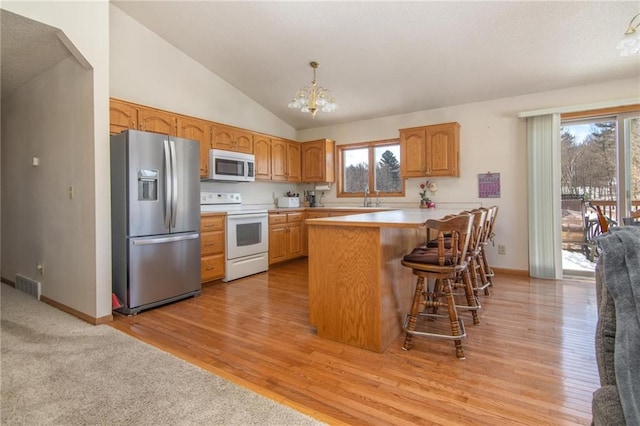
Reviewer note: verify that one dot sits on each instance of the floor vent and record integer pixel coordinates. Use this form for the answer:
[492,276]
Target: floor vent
[29,286]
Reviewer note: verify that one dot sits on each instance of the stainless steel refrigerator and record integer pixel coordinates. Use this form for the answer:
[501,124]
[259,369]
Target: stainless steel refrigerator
[155,219]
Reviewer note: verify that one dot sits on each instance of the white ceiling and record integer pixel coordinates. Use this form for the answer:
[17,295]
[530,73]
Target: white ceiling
[27,49]
[378,58]
[385,58]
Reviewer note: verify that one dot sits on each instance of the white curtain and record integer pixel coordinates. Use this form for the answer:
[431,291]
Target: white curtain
[545,244]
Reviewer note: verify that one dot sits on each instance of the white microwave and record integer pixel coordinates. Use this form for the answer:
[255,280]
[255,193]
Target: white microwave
[230,166]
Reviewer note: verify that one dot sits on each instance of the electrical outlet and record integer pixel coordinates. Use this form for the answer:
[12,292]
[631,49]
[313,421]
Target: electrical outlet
[502,249]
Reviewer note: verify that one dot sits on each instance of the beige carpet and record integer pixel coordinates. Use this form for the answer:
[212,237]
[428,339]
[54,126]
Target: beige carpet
[59,370]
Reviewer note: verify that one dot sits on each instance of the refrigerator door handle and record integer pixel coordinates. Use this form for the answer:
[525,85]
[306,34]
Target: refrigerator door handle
[174,183]
[168,190]
[161,240]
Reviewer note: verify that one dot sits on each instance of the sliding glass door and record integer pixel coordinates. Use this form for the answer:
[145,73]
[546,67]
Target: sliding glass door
[600,170]
[629,158]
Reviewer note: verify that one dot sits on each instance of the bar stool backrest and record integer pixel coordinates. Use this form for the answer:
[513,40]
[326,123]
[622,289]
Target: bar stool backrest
[459,227]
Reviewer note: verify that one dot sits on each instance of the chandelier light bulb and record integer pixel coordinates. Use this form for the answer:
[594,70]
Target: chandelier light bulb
[630,42]
[313,99]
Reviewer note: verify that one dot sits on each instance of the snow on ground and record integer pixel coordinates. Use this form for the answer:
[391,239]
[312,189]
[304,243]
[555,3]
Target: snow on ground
[576,261]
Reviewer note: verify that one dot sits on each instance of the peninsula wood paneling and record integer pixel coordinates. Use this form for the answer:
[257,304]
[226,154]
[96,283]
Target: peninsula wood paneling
[359,296]
[531,361]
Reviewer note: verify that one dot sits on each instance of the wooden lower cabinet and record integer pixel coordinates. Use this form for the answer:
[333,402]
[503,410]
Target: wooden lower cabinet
[212,246]
[286,236]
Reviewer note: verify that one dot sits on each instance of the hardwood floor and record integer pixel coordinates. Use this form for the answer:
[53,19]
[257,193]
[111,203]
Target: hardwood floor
[530,361]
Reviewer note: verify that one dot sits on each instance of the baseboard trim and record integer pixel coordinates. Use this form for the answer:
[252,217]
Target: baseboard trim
[522,272]
[8,282]
[81,315]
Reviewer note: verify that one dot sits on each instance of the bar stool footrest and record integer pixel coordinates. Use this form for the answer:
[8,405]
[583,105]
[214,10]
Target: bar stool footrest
[467,307]
[437,335]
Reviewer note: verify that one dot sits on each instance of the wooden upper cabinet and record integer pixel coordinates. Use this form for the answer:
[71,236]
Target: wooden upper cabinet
[412,152]
[157,121]
[318,161]
[232,139]
[430,150]
[197,130]
[293,161]
[285,160]
[278,159]
[122,116]
[262,153]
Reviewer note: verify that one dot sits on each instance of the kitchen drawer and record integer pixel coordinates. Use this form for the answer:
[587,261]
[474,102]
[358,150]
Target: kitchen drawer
[295,217]
[212,267]
[211,243]
[211,223]
[315,215]
[278,218]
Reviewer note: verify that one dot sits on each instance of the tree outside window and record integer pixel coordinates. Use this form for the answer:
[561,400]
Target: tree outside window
[372,165]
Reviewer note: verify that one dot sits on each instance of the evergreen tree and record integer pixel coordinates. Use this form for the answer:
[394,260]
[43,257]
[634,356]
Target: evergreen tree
[388,173]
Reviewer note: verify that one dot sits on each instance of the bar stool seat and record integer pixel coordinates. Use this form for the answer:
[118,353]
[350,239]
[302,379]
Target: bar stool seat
[442,265]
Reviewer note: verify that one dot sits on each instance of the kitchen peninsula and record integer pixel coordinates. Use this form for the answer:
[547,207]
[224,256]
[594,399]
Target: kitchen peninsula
[358,290]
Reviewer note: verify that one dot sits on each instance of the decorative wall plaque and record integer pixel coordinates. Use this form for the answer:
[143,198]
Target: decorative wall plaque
[489,185]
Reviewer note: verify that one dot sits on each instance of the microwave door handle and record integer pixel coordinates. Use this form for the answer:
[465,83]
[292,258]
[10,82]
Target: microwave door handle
[167,184]
[174,183]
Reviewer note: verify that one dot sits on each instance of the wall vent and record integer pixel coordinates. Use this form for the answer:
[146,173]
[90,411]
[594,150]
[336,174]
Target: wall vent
[29,286]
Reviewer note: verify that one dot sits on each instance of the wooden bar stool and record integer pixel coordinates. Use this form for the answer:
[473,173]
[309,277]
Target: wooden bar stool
[488,273]
[441,264]
[475,269]
[473,252]
[481,224]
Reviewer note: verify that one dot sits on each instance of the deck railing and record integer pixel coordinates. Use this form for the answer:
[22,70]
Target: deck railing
[609,208]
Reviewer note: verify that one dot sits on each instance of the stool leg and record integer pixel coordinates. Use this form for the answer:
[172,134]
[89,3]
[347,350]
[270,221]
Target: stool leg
[471,294]
[471,265]
[437,293]
[483,276]
[453,318]
[413,315]
[487,270]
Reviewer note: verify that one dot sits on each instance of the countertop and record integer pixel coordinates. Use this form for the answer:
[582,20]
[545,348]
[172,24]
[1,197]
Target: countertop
[330,208]
[404,218]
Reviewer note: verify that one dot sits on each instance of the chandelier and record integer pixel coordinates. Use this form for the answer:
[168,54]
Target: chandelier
[630,43]
[313,99]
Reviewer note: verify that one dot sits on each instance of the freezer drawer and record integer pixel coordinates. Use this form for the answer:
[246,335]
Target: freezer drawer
[162,269]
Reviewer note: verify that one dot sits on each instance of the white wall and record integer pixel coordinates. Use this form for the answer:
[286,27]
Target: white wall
[50,118]
[147,70]
[80,229]
[492,139]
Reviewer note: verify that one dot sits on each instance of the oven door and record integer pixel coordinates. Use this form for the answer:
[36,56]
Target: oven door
[247,234]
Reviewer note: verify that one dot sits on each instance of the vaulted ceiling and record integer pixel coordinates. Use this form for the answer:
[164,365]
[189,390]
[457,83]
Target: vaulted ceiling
[378,58]
[381,58]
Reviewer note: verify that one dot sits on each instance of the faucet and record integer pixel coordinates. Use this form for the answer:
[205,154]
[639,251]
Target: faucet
[377,198]
[367,203]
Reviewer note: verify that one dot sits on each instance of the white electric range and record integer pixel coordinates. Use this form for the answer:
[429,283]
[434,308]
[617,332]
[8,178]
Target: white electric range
[247,233]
